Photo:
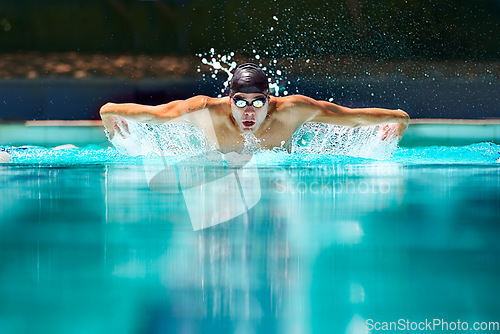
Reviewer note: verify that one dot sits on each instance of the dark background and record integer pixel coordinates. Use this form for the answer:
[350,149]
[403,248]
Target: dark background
[409,29]
[440,58]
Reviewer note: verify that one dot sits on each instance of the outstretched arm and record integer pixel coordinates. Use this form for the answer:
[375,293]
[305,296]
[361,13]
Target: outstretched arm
[115,115]
[326,112]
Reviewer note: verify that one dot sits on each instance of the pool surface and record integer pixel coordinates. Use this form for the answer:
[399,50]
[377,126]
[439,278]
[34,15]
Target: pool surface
[330,244]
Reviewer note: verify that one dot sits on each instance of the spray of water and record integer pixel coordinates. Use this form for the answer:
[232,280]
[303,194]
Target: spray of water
[314,138]
[364,142]
[184,139]
[251,143]
[225,63]
[172,139]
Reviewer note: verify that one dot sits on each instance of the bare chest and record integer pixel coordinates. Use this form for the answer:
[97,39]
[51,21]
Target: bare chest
[270,135]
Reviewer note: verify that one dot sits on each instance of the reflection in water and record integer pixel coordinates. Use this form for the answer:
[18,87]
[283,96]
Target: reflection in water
[325,249]
[216,187]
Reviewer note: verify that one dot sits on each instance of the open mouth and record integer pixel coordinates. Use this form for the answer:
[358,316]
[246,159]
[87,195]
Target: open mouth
[248,124]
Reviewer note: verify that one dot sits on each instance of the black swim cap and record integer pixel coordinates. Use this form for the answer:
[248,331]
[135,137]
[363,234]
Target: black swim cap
[249,78]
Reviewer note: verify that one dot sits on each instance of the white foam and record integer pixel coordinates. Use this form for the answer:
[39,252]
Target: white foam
[162,139]
[364,142]
[176,139]
[5,157]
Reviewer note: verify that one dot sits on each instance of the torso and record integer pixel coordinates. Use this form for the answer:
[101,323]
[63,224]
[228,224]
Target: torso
[276,130]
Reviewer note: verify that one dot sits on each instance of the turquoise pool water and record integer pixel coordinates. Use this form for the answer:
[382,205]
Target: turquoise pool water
[332,245]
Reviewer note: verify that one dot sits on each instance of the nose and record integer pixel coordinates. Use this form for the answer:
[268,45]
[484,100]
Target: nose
[249,111]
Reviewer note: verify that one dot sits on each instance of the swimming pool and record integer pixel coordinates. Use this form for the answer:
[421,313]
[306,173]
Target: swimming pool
[334,244]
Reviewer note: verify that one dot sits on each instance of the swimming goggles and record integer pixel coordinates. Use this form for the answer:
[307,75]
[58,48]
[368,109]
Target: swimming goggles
[257,103]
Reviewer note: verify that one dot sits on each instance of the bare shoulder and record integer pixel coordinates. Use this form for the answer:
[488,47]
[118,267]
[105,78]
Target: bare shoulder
[218,106]
[213,102]
[181,107]
[293,110]
[294,102]
[297,105]
[196,103]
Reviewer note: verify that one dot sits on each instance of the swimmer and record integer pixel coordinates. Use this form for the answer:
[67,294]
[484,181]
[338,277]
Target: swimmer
[249,109]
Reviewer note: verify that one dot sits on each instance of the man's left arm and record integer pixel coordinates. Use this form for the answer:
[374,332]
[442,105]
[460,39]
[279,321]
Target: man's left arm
[326,112]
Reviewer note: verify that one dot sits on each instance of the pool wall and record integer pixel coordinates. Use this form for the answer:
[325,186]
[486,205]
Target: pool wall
[77,99]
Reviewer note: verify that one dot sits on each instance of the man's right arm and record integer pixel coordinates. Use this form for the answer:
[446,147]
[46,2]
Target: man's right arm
[115,115]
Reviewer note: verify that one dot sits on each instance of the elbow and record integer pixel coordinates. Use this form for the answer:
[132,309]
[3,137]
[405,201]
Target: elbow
[104,108]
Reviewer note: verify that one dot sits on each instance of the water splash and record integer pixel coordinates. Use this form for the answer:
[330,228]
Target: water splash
[314,138]
[217,63]
[170,139]
[176,139]
[225,63]
[364,142]
[485,154]
[251,143]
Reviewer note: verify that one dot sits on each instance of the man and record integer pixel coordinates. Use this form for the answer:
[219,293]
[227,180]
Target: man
[249,109]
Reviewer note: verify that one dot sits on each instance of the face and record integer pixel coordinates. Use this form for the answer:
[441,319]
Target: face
[250,115]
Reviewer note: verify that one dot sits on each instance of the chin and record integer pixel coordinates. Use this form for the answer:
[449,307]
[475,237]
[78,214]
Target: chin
[248,130]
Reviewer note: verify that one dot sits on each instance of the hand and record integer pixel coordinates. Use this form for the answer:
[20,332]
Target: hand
[120,126]
[392,131]
[115,124]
